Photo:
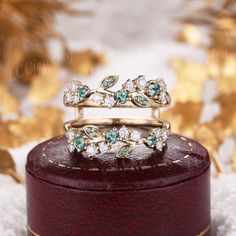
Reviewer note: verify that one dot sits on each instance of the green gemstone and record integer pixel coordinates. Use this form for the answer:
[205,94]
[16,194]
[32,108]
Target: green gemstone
[141,101]
[111,136]
[151,141]
[121,96]
[92,131]
[124,151]
[83,91]
[79,142]
[109,82]
[153,89]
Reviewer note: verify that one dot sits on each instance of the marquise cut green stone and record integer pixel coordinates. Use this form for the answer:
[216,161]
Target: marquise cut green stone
[108,82]
[124,152]
[111,136]
[92,132]
[83,91]
[151,141]
[121,96]
[79,142]
[153,89]
[141,101]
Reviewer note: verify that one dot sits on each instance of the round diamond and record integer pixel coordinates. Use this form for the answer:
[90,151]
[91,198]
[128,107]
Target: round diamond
[158,133]
[159,145]
[97,98]
[110,101]
[103,147]
[68,98]
[129,85]
[75,99]
[91,150]
[70,135]
[165,135]
[162,83]
[121,96]
[79,142]
[111,136]
[74,85]
[141,82]
[135,136]
[153,89]
[124,132]
[162,96]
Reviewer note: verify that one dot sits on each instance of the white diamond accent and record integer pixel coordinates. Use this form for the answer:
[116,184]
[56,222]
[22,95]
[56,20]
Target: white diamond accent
[129,85]
[135,136]
[91,150]
[141,82]
[71,147]
[162,83]
[165,135]
[159,145]
[158,133]
[68,98]
[75,99]
[124,132]
[110,101]
[103,147]
[70,135]
[162,96]
[75,85]
[97,98]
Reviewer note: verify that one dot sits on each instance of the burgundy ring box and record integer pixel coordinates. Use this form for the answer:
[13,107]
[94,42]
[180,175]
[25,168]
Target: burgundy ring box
[150,194]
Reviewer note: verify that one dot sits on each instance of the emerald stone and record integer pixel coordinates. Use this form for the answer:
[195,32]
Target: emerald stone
[92,131]
[153,89]
[151,141]
[124,151]
[109,82]
[121,96]
[141,101]
[79,142]
[83,91]
[111,136]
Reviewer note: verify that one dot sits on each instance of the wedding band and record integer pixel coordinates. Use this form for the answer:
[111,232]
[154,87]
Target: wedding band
[134,93]
[100,136]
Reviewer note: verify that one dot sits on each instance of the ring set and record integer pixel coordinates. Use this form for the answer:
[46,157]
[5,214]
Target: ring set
[98,136]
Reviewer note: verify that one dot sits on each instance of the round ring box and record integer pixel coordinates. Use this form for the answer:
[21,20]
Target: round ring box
[151,193]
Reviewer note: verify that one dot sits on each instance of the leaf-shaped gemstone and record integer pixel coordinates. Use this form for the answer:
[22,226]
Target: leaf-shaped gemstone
[140,100]
[124,151]
[92,131]
[109,81]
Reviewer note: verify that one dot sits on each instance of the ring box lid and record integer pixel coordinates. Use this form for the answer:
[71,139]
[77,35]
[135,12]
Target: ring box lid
[181,159]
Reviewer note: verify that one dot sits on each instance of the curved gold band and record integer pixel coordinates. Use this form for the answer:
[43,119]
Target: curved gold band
[99,135]
[116,121]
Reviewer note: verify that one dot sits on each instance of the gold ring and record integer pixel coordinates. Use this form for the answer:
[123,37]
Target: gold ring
[134,93]
[102,135]
[95,136]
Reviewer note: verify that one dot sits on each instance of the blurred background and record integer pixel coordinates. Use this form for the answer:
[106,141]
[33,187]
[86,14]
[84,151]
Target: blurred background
[44,44]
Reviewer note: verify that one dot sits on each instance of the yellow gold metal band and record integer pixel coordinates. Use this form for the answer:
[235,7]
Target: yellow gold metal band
[116,121]
[101,135]
[137,92]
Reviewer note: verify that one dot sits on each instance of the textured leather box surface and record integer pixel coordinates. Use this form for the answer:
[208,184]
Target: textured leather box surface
[152,193]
